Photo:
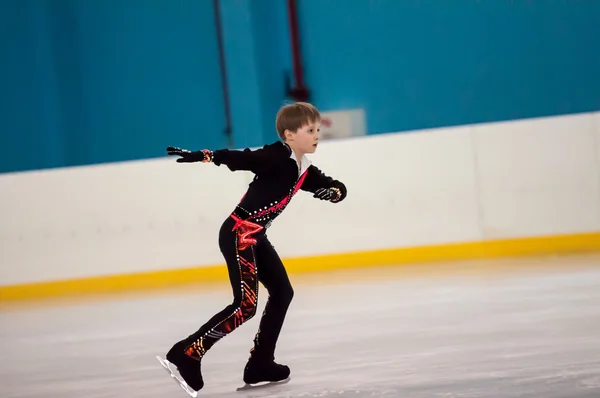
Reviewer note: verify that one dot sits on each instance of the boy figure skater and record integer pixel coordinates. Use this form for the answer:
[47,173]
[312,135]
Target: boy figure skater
[281,169]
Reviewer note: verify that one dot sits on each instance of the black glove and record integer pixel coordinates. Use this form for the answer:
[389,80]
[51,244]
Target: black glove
[188,156]
[330,194]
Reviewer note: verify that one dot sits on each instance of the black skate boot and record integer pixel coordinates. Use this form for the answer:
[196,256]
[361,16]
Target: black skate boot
[260,370]
[189,368]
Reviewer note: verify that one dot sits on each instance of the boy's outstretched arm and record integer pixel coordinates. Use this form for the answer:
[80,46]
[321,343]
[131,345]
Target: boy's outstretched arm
[324,187]
[256,161]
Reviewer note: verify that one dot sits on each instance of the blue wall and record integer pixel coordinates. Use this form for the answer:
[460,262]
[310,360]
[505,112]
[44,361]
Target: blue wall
[428,63]
[149,77]
[257,60]
[106,80]
[31,128]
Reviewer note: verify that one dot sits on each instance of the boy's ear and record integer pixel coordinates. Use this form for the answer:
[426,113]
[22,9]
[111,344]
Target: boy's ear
[288,134]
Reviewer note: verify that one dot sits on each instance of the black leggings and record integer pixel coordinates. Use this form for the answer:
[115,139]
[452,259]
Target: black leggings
[250,259]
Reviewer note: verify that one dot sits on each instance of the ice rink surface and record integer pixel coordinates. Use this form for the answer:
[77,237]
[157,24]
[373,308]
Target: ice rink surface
[509,328]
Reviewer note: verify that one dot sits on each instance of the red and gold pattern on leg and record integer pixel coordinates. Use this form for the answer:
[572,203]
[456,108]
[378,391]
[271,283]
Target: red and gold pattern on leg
[196,349]
[249,290]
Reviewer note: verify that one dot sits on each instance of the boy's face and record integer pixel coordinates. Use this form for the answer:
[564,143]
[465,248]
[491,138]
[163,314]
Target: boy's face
[306,138]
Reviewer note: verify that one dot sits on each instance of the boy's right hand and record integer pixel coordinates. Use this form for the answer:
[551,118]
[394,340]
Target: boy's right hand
[188,156]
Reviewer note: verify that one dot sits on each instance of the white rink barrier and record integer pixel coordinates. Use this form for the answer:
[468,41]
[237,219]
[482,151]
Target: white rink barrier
[523,178]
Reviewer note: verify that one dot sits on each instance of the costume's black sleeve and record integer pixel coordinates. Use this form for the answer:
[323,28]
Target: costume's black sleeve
[256,161]
[316,179]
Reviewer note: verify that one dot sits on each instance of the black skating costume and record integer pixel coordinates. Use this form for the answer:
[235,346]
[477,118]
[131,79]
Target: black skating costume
[251,258]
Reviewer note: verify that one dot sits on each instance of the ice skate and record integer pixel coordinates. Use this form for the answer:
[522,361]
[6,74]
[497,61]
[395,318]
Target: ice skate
[188,368]
[264,373]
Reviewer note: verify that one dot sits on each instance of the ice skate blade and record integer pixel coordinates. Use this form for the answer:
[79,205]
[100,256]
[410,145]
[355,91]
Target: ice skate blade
[248,387]
[181,382]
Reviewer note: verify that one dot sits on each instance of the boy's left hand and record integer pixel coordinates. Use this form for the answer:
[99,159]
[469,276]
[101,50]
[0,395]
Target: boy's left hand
[330,194]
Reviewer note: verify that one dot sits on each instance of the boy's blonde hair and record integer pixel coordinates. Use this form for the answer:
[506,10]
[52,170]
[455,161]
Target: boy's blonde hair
[294,116]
